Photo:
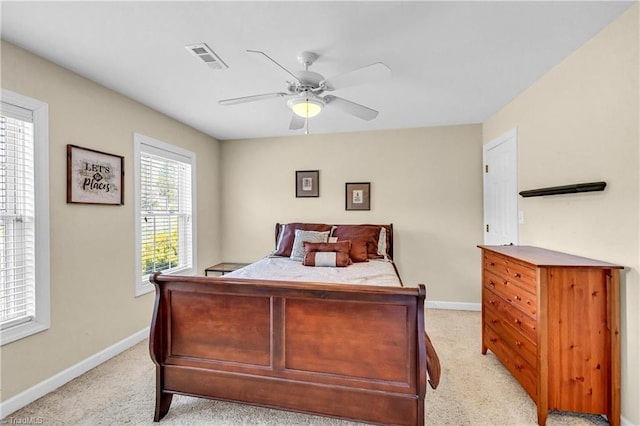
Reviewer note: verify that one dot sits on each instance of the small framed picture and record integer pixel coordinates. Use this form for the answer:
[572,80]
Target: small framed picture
[307,183]
[94,177]
[358,196]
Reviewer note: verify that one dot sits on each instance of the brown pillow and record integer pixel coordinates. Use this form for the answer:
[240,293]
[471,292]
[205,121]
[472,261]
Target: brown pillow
[362,237]
[358,252]
[288,234]
[383,250]
[327,254]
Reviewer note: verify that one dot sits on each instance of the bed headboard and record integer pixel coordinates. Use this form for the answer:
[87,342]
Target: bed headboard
[288,230]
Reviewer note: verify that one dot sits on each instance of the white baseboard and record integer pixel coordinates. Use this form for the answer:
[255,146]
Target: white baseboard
[454,306]
[625,422]
[15,403]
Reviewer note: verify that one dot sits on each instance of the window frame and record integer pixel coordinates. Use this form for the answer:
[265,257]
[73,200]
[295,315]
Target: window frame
[42,318]
[141,144]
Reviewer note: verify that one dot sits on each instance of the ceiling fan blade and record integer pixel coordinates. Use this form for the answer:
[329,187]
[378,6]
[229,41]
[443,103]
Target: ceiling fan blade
[368,74]
[352,108]
[297,122]
[274,61]
[253,98]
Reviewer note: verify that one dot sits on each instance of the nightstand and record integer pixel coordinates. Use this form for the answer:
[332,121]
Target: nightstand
[224,268]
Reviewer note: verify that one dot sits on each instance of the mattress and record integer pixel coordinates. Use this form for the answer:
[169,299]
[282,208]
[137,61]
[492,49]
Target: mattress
[374,272]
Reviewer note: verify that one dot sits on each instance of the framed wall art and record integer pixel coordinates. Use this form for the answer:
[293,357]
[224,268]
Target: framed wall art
[358,196]
[307,183]
[94,177]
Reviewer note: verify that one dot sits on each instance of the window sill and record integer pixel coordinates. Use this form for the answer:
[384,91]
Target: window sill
[21,331]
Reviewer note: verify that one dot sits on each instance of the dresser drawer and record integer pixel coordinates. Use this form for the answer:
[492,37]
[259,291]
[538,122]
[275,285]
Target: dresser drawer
[512,337]
[518,319]
[509,269]
[512,293]
[494,262]
[523,371]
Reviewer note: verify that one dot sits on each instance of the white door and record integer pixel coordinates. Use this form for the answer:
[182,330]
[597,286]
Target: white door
[500,190]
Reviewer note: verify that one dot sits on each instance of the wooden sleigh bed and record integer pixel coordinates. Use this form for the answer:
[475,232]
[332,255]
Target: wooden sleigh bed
[350,351]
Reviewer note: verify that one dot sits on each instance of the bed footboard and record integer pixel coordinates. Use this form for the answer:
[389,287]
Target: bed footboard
[352,352]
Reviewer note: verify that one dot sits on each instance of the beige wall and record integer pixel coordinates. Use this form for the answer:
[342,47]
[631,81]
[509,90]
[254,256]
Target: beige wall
[92,247]
[427,182]
[579,123]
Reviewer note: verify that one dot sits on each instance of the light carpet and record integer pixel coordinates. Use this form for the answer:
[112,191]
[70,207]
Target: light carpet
[474,390]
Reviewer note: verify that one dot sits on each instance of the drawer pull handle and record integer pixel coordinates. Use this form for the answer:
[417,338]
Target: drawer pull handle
[517,297]
[517,275]
[492,302]
[518,343]
[492,264]
[517,321]
[495,321]
[519,367]
[492,284]
[493,340]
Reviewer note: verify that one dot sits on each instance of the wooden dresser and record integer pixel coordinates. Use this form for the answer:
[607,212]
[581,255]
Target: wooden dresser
[553,320]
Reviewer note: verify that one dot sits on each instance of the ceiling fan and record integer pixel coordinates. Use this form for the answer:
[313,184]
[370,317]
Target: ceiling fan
[304,91]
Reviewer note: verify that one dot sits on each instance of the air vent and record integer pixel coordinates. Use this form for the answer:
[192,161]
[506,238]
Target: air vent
[205,54]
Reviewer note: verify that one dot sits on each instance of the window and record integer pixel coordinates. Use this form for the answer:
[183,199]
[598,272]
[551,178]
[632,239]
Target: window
[165,206]
[24,217]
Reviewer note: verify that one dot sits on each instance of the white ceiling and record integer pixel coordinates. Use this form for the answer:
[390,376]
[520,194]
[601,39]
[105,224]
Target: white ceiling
[452,62]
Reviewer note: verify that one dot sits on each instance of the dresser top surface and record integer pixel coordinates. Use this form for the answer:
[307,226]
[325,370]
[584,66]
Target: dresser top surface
[542,257]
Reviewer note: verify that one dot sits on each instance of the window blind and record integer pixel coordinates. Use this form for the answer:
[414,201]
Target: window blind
[165,214]
[17,216]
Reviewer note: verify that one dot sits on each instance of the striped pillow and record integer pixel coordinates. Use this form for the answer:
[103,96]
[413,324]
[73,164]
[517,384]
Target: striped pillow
[327,254]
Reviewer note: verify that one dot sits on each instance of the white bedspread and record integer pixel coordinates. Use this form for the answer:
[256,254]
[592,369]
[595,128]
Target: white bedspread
[375,272]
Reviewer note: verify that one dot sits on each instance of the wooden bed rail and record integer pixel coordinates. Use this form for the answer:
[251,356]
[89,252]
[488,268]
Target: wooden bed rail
[347,351]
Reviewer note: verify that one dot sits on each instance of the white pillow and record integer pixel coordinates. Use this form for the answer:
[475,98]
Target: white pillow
[297,252]
[279,242]
[382,242]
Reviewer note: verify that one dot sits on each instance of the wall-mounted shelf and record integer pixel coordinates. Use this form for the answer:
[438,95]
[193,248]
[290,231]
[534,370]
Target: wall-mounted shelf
[565,189]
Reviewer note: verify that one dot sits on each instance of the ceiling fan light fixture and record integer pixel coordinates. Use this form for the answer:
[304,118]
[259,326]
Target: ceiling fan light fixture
[306,107]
